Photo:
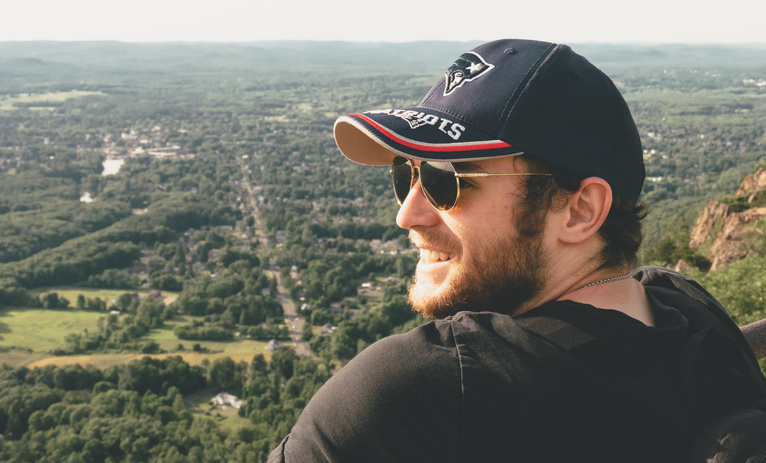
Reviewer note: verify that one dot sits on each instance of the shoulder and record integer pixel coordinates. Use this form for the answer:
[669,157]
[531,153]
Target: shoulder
[660,278]
[446,391]
[395,368]
[398,400]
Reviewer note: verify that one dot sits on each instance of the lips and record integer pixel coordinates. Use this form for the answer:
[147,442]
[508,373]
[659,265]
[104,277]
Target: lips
[433,248]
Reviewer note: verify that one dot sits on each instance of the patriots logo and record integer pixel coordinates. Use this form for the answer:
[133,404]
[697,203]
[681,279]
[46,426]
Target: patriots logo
[416,120]
[465,69]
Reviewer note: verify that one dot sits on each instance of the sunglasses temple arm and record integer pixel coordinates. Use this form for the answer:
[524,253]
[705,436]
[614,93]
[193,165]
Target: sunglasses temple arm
[484,174]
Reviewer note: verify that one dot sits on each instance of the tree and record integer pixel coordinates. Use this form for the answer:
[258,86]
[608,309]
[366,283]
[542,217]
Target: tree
[222,375]
[53,301]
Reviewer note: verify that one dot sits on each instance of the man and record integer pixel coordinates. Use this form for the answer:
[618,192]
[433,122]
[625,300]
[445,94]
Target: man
[518,177]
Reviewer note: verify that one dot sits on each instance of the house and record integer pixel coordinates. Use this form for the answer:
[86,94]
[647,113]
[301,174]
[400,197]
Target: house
[164,152]
[327,330]
[225,398]
[273,345]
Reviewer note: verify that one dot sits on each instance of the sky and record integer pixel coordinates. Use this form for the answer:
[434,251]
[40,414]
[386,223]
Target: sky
[567,21]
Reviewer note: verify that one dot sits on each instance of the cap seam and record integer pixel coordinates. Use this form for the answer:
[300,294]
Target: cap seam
[618,124]
[549,58]
[625,193]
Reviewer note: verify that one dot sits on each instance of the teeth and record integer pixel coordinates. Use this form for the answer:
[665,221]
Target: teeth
[433,256]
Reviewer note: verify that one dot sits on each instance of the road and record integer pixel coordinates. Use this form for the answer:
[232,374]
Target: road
[292,320]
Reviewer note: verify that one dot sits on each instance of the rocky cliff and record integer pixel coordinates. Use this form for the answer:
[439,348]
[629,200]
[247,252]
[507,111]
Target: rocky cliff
[733,226]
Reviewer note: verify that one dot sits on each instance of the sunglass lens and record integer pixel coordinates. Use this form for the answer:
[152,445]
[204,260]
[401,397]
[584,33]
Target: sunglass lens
[440,184]
[401,176]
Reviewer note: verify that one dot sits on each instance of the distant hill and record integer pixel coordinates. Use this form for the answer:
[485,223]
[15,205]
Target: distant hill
[672,54]
[271,56]
[433,55]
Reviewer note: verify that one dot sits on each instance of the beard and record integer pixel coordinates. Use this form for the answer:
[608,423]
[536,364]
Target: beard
[499,277]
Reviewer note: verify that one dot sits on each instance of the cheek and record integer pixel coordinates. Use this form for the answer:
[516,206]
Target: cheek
[495,221]
[459,230]
[479,221]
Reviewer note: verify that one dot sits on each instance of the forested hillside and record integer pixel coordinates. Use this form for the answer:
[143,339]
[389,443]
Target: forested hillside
[231,224]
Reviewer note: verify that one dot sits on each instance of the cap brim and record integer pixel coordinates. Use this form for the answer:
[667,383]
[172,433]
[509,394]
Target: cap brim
[376,137]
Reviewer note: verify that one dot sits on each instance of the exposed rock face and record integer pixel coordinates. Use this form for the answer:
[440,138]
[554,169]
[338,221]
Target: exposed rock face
[736,228]
[753,182]
[701,232]
[682,267]
[731,244]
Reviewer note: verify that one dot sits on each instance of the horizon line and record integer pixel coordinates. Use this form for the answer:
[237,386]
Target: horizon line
[241,42]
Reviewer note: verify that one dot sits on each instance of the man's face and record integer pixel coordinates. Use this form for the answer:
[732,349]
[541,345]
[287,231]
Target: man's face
[474,257]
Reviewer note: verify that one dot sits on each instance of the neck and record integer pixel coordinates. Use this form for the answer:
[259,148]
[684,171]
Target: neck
[604,280]
[614,290]
[604,288]
[577,274]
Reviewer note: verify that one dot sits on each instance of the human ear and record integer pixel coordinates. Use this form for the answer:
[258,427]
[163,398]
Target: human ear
[586,210]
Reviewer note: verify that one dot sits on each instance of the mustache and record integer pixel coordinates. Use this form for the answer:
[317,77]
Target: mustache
[430,239]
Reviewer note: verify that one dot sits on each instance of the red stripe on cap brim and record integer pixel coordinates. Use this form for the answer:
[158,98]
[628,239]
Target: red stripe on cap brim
[431,147]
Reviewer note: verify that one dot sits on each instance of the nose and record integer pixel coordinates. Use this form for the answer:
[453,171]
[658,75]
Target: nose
[416,211]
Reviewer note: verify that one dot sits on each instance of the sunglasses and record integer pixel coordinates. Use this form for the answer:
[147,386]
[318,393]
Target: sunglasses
[439,181]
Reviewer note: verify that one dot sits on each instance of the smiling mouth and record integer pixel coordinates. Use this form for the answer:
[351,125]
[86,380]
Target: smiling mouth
[430,257]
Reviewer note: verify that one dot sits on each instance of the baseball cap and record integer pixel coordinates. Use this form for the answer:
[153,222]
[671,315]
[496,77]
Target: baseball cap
[508,97]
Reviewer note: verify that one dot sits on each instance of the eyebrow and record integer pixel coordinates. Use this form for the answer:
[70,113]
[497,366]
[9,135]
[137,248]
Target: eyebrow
[467,166]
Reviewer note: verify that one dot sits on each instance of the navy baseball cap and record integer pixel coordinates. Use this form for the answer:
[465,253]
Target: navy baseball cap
[509,97]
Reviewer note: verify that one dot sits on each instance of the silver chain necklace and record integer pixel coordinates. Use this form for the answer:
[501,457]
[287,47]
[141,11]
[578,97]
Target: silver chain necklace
[605,280]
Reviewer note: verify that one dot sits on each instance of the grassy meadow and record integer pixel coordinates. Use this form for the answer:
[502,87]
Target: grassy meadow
[41,329]
[39,100]
[238,349]
[27,336]
[108,295]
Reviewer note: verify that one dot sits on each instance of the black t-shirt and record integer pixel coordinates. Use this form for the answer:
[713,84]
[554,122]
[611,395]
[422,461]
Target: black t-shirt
[563,382]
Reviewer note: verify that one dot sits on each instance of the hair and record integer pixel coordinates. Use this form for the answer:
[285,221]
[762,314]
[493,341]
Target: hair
[621,231]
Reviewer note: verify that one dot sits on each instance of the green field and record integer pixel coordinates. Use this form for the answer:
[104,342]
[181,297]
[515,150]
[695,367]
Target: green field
[7,103]
[108,295]
[42,330]
[236,349]
[28,335]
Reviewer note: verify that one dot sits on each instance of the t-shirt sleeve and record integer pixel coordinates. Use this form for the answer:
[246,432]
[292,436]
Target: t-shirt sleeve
[399,400]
